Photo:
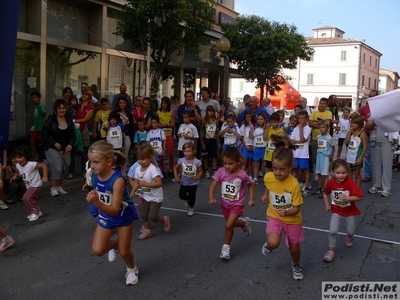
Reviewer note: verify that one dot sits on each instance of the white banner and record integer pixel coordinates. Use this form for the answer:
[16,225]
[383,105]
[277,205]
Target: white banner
[385,110]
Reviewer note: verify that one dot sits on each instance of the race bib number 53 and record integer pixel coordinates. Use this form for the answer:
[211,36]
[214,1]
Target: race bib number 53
[230,191]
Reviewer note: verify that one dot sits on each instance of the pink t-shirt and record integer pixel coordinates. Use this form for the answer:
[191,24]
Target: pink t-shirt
[81,114]
[364,111]
[232,187]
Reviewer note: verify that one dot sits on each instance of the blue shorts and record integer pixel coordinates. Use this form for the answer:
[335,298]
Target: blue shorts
[258,154]
[301,163]
[125,217]
[246,153]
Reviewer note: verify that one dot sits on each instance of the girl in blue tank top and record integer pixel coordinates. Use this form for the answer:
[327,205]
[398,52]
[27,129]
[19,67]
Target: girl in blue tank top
[110,196]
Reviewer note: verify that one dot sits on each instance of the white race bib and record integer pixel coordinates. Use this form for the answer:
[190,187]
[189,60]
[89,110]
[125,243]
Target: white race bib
[322,144]
[189,170]
[26,177]
[259,141]
[281,200]
[271,145]
[167,131]
[229,138]
[301,146]
[210,131]
[116,135]
[106,198]
[230,191]
[343,129]
[156,145]
[336,201]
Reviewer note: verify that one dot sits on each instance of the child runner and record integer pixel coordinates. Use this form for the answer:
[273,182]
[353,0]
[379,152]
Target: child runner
[342,129]
[6,240]
[301,136]
[325,152]
[259,144]
[116,210]
[29,172]
[157,139]
[232,180]
[115,130]
[231,132]
[187,132]
[208,140]
[283,193]
[100,119]
[140,135]
[341,192]
[357,142]
[148,185]
[191,174]
[282,123]
[247,133]
[273,128]
[293,121]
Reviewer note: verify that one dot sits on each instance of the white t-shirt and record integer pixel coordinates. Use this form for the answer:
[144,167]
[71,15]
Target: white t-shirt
[259,138]
[302,151]
[156,138]
[344,127]
[149,194]
[183,129]
[114,136]
[245,132]
[203,106]
[230,138]
[29,174]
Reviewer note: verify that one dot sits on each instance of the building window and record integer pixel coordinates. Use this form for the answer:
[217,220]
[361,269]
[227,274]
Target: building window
[362,81]
[369,82]
[364,57]
[376,63]
[343,55]
[342,79]
[375,84]
[370,60]
[310,78]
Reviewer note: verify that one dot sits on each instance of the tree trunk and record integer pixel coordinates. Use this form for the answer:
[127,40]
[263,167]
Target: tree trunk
[154,91]
[262,96]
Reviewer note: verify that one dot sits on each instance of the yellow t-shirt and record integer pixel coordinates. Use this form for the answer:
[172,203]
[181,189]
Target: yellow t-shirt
[269,150]
[319,116]
[283,194]
[165,118]
[103,116]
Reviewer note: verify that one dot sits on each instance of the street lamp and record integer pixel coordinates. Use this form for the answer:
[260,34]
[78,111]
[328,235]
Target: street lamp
[223,46]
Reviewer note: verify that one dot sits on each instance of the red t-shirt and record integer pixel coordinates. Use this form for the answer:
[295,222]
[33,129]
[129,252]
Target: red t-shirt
[81,114]
[348,187]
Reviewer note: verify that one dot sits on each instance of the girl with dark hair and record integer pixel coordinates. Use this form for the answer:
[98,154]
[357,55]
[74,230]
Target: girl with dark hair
[282,191]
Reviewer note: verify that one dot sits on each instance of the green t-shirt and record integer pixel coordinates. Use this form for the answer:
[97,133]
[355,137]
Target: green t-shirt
[38,114]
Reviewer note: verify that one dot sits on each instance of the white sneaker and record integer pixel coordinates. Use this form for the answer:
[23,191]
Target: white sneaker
[207,175]
[264,249]
[34,217]
[54,192]
[190,212]
[112,255]
[225,252]
[186,204]
[3,206]
[247,226]
[132,276]
[255,181]
[61,191]
[251,178]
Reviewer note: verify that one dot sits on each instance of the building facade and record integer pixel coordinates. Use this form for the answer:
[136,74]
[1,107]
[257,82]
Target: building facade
[63,43]
[347,68]
[388,81]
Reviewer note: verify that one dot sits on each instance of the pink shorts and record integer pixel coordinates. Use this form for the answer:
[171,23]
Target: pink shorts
[234,210]
[294,232]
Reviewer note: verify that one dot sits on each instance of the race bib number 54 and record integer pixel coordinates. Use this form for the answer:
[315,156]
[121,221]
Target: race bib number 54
[279,201]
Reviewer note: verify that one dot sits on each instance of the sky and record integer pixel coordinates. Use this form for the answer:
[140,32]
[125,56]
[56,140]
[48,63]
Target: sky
[372,20]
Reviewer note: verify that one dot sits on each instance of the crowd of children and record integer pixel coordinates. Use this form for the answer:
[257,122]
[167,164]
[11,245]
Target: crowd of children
[282,150]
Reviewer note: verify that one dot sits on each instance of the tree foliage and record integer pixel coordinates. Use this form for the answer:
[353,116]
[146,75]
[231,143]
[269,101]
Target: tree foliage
[262,49]
[168,27]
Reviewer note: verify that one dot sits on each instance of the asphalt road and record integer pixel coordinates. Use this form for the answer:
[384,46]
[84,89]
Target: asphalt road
[52,258]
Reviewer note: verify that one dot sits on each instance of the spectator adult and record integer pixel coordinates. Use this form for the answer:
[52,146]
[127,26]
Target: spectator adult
[67,94]
[84,114]
[126,119]
[167,124]
[303,102]
[59,139]
[253,106]
[124,95]
[364,111]
[190,105]
[228,107]
[137,110]
[334,108]
[85,87]
[206,100]
[266,104]
[174,107]
[382,148]
[242,106]
[148,114]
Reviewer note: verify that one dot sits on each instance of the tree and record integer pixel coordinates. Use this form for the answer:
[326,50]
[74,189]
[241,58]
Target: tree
[262,49]
[168,27]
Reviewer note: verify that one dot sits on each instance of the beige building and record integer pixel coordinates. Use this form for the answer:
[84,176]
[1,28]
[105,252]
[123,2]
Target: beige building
[388,81]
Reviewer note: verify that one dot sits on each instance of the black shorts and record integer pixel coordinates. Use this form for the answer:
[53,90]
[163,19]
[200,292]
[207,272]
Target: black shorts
[211,148]
[341,141]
